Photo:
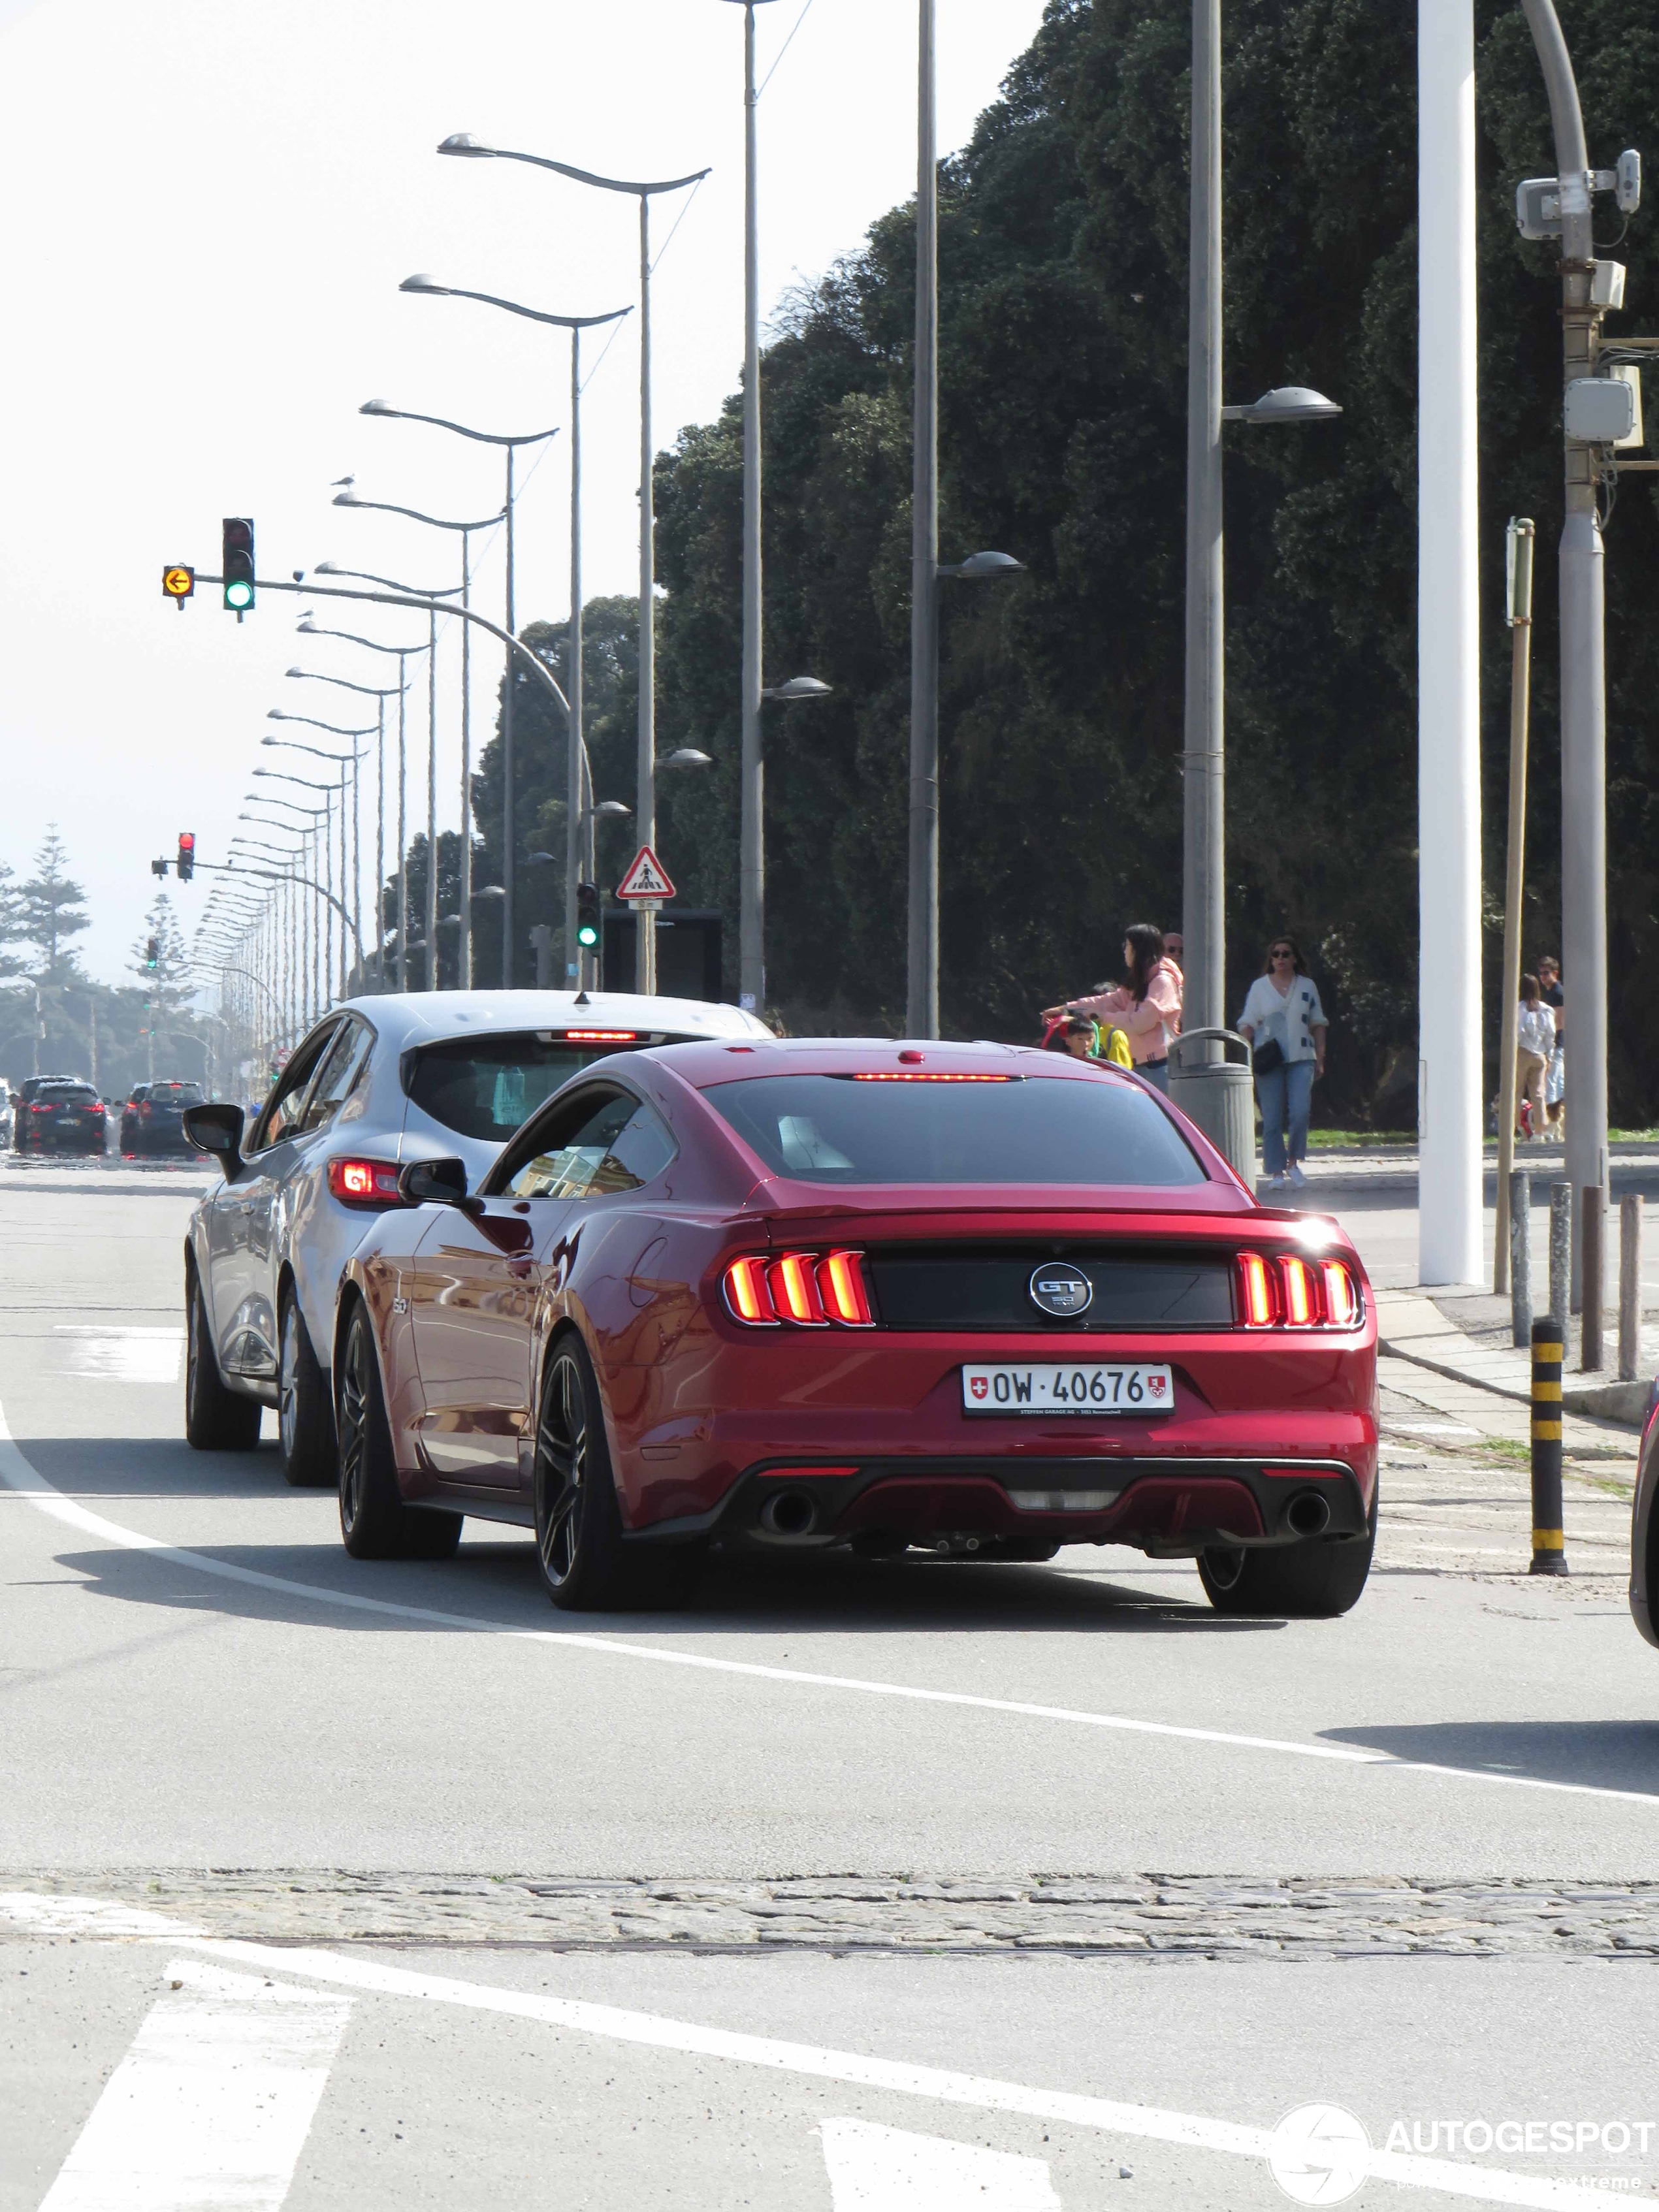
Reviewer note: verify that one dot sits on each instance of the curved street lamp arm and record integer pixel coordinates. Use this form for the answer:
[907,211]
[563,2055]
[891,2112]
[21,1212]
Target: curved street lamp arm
[385,507]
[288,876]
[442,423]
[586,176]
[350,637]
[513,307]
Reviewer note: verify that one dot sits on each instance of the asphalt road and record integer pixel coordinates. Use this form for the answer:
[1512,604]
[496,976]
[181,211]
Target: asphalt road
[855,1886]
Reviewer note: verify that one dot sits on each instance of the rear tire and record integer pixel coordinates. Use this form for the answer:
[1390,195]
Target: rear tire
[585,1565]
[374,1522]
[215,1418]
[304,1418]
[1316,1580]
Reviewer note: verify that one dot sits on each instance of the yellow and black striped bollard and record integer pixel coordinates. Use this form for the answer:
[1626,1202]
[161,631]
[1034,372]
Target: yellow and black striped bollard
[1549,1551]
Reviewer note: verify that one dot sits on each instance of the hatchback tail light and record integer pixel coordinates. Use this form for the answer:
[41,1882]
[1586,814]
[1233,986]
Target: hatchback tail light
[799,1289]
[371,1183]
[1287,1291]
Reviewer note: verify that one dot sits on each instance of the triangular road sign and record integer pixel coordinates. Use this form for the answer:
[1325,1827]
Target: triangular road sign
[647,877]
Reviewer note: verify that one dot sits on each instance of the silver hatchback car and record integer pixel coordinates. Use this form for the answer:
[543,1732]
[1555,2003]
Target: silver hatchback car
[377,1083]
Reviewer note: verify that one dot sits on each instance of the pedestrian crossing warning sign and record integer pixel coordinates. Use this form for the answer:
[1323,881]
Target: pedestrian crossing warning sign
[647,877]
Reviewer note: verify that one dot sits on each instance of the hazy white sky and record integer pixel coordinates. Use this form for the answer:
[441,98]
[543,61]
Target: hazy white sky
[209,208]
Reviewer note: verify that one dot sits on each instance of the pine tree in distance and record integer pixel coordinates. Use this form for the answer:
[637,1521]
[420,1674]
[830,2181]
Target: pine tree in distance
[51,909]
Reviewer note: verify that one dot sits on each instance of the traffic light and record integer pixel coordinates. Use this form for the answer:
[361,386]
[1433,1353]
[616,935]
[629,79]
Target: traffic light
[153,953]
[187,855]
[588,916]
[159,868]
[237,565]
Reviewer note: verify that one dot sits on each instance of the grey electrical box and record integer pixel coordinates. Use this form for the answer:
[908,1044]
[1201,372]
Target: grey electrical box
[1629,184]
[1601,410]
[1538,207]
[1607,285]
[1629,372]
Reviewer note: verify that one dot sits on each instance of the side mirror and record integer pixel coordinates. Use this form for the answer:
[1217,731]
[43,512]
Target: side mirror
[436,1183]
[218,1130]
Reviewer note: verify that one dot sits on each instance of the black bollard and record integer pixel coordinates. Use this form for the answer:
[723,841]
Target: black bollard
[1549,1550]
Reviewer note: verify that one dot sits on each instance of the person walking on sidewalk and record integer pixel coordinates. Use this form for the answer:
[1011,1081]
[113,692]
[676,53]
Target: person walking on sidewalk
[1534,1041]
[1284,1025]
[1555,1079]
[1147,1008]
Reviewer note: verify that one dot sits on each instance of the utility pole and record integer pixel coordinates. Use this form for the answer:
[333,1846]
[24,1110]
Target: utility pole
[922,1018]
[751,928]
[1450,1118]
[1583,677]
[1519,565]
[1203,758]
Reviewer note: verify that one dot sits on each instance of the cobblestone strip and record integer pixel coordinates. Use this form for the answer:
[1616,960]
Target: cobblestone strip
[1138,1915]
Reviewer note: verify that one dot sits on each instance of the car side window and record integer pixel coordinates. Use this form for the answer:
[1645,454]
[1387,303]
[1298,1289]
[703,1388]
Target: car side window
[283,1107]
[336,1077]
[595,1148]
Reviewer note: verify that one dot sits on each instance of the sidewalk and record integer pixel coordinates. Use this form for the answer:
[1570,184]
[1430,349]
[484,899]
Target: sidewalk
[1490,1383]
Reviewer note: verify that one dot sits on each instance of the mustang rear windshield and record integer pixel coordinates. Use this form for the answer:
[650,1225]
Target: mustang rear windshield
[485,1086]
[838,1129]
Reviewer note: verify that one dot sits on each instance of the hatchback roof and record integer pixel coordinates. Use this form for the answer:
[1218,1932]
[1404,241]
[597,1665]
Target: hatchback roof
[416,1017]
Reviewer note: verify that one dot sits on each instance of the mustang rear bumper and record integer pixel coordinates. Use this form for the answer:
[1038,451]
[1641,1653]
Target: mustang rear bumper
[1168,1507]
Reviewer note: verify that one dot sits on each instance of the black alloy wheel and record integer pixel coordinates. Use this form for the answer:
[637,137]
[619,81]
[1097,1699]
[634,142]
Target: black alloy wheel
[304,1417]
[585,1565]
[215,1418]
[1315,1580]
[374,1522]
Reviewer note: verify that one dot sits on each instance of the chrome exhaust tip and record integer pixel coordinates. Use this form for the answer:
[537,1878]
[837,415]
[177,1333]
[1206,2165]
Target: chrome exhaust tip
[1308,1513]
[790,1513]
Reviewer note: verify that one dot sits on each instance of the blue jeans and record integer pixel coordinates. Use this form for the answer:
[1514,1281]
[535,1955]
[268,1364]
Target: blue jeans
[1285,1094]
[1157,1073]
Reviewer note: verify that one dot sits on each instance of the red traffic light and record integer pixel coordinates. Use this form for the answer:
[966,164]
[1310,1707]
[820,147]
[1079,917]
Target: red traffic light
[187,855]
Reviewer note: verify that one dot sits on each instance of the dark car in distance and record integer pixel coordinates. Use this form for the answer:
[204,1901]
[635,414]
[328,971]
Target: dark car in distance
[152,1121]
[59,1114]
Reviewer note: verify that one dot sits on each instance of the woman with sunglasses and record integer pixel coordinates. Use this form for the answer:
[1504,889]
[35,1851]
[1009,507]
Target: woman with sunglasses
[1284,1012]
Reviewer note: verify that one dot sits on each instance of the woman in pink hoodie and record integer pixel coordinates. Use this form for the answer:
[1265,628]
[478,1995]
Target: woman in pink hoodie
[1147,1008]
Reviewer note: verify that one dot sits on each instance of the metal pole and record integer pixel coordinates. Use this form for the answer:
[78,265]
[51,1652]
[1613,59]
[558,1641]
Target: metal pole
[432,802]
[1591,1354]
[1549,1549]
[327,872]
[403,823]
[1560,1254]
[356,911]
[1630,1287]
[1203,916]
[922,1014]
[510,682]
[1450,1116]
[644,927]
[1519,1211]
[752,925]
[1520,549]
[575,961]
[1584,675]
[463,946]
[380,850]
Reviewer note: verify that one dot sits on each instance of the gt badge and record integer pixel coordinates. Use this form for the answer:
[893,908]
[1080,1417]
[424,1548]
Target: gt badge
[1062,1292]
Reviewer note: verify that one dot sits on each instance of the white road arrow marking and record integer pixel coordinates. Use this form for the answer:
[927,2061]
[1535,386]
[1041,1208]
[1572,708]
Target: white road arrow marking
[875,2169]
[211,2107]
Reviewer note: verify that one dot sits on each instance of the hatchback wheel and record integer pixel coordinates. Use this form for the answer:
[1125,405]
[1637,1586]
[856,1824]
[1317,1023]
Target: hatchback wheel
[215,1418]
[1315,1580]
[374,1522]
[304,1420]
[585,1566]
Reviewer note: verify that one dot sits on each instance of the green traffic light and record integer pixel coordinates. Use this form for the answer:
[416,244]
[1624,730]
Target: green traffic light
[239,595]
[587,935]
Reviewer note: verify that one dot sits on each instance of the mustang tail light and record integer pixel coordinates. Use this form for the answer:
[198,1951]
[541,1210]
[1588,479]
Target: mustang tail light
[364,1183]
[1290,1292]
[803,1290]
[601,1036]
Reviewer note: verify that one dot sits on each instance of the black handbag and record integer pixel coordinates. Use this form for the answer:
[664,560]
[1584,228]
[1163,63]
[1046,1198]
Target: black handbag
[1266,1057]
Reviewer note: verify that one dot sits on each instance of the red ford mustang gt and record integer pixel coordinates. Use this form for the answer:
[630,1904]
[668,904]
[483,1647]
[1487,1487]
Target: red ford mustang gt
[973,1298]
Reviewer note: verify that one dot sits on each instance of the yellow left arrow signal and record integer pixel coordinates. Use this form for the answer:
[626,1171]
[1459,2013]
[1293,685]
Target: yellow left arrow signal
[179,584]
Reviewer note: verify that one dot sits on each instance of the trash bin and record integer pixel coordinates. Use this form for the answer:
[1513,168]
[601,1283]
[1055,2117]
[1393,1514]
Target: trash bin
[1220,1095]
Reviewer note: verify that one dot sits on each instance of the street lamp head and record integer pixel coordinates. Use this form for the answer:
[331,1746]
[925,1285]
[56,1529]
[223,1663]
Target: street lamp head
[686,757]
[463,143]
[346,499]
[1286,403]
[377,407]
[978,565]
[800,687]
[540,860]
[423,283]
[294,672]
[612,806]
[490,892]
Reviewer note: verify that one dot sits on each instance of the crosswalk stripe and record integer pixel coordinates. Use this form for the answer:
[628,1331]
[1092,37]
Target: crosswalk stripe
[211,2107]
[874,2169]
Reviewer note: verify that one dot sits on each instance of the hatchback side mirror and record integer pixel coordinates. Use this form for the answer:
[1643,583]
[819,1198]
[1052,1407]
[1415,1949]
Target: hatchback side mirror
[436,1183]
[217,1129]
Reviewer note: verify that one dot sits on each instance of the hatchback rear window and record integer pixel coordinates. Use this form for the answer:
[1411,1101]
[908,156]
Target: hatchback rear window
[838,1129]
[175,1094]
[486,1086]
[67,1094]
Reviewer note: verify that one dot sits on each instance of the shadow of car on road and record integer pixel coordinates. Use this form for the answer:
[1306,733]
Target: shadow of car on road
[1596,1755]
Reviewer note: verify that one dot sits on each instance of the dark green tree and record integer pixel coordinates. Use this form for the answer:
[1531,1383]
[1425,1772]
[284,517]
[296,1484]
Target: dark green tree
[53,911]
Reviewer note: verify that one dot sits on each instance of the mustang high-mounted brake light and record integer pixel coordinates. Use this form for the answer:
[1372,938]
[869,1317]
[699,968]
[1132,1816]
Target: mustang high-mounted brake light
[602,1037]
[364,1183]
[1290,1293]
[804,1290]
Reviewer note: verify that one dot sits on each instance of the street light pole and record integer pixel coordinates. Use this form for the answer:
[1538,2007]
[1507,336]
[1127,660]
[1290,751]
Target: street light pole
[922,1018]
[1203,760]
[1583,664]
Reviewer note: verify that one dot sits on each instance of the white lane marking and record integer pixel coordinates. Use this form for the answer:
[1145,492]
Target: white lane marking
[122,1355]
[1149,2123]
[875,2169]
[89,1916]
[211,2106]
[17,1474]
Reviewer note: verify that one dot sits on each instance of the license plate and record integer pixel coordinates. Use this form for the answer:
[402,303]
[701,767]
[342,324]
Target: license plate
[1085,1388]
